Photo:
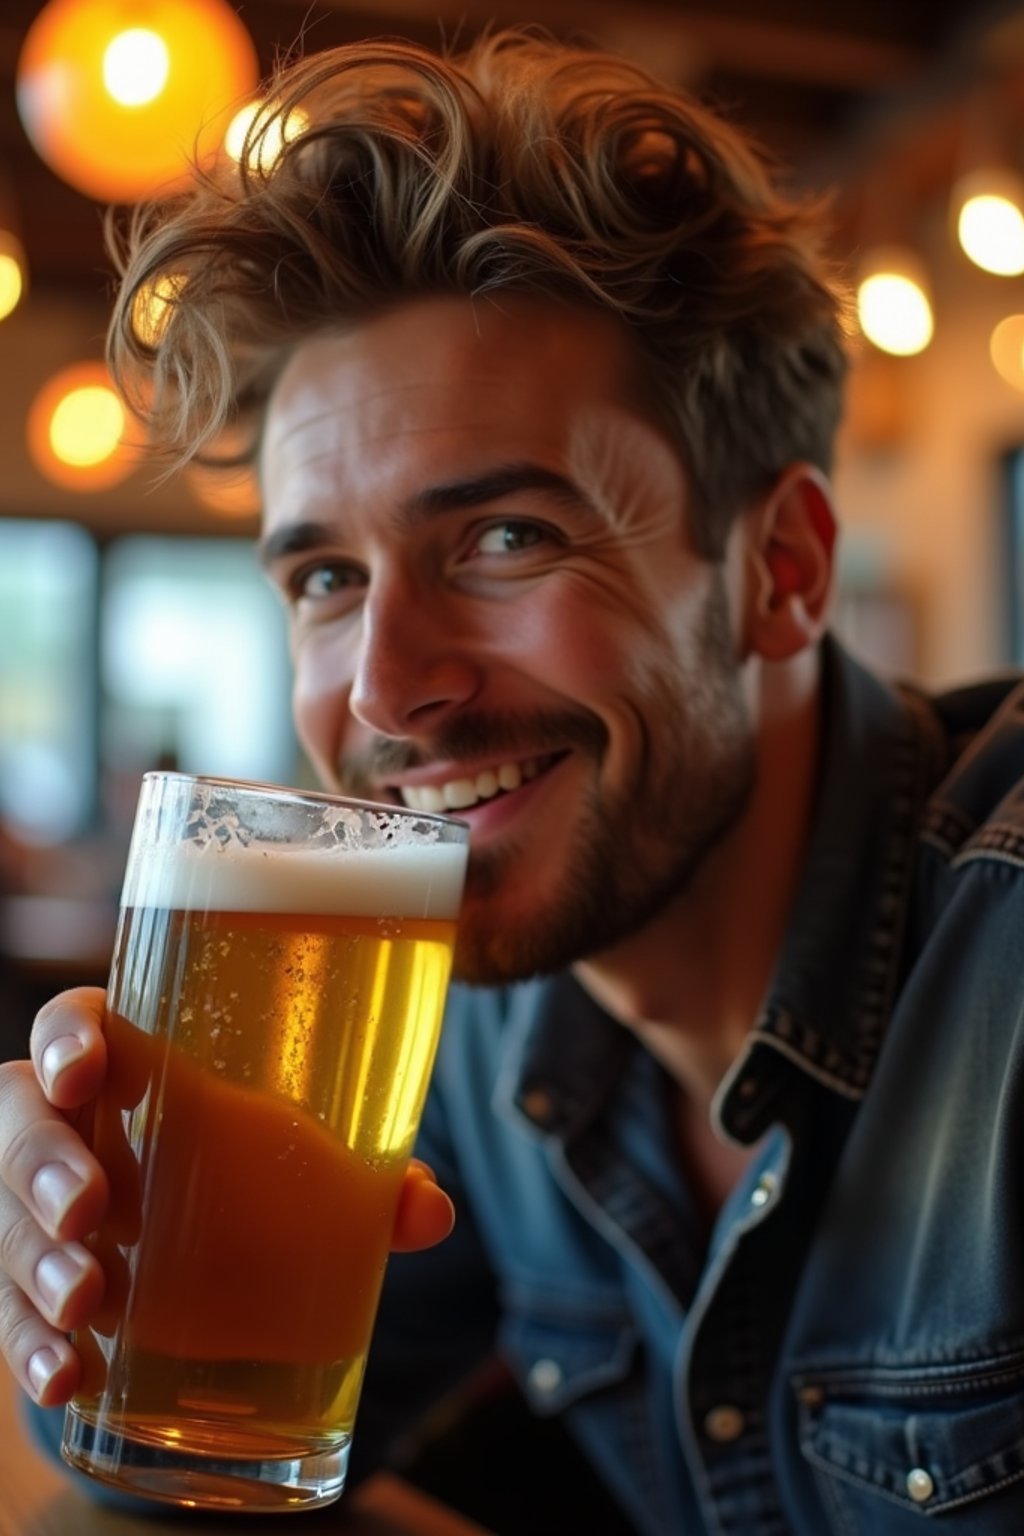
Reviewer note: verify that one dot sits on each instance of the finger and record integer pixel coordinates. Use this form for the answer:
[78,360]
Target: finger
[63,1281]
[68,1048]
[44,1162]
[425,1214]
[41,1359]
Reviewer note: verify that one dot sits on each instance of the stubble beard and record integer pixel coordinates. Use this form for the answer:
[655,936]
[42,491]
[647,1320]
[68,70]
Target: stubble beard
[634,851]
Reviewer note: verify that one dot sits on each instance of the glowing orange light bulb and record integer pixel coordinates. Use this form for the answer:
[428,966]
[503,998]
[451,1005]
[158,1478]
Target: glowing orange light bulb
[76,430]
[117,96]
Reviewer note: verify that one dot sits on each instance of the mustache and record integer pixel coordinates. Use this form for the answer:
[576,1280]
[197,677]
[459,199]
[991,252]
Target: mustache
[481,735]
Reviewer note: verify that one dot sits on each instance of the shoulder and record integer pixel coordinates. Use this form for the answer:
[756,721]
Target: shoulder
[977,809]
[966,920]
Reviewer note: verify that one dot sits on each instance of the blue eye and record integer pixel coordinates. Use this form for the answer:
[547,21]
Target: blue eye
[326,578]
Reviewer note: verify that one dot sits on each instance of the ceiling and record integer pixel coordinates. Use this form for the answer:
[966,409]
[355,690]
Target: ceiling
[834,90]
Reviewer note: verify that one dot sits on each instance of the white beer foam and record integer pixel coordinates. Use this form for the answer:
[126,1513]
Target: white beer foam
[416,881]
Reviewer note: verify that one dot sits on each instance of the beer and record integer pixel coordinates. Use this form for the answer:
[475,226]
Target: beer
[272,1021]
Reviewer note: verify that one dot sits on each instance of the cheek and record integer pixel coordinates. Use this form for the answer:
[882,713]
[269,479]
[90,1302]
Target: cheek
[602,656]
[602,644]
[586,639]
[320,688]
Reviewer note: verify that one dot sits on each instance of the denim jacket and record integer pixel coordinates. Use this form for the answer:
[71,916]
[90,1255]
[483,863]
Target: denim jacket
[846,1355]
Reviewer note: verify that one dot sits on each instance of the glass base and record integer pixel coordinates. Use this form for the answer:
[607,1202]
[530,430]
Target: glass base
[204,1481]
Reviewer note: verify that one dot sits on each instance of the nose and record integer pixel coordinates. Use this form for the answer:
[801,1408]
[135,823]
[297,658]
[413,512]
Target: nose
[414,666]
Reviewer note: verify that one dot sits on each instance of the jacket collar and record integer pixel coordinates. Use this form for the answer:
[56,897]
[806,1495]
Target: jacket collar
[829,1003]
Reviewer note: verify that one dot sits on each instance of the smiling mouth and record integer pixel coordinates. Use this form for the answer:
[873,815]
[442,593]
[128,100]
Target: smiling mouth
[462,794]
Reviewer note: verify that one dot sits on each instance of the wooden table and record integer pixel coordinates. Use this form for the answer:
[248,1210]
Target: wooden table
[38,1499]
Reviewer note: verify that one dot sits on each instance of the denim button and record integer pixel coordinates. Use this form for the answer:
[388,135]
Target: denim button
[545,1376]
[538,1105]
[724,1423]
[919,1485]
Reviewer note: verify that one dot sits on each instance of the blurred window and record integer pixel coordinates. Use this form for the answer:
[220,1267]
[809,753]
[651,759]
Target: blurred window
[119,657]
[194,660]
[48,576]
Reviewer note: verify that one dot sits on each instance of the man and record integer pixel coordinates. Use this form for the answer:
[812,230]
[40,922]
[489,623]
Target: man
[544,377]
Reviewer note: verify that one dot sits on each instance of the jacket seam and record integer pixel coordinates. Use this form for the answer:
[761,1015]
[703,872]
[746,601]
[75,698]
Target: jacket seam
[996,843]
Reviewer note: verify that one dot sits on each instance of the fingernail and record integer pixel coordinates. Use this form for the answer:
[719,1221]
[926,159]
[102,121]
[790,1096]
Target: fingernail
[58,1056]
[42,1368]
[53,1189]
[56,1276]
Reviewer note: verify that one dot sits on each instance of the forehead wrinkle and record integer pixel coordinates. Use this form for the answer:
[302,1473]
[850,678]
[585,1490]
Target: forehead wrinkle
[332,451]
[342,435]
[355,399]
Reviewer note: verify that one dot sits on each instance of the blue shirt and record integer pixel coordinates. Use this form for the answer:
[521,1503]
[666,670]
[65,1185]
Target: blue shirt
[845,1354]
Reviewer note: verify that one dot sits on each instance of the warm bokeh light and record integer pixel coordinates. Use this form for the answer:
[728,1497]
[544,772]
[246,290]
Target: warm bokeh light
[893,307]
[92,101]
[12,272]
[988,206]
[76,430]
[230,493]
[265,151]
[10,285]
[136,64]
[991,231]
[152,307]
[224,485]
[87,425]
[1006,348]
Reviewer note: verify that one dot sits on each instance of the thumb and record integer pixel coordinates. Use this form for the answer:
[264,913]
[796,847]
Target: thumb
[425,1214]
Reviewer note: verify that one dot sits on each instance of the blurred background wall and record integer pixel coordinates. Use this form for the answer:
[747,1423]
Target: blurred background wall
[134,628]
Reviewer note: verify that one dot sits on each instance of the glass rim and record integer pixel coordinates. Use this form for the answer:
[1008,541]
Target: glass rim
[310,796]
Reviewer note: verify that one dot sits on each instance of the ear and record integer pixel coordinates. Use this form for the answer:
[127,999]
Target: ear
[790,537]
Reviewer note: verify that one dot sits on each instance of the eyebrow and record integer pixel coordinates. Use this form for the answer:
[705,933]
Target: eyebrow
[506,480]
[450,496]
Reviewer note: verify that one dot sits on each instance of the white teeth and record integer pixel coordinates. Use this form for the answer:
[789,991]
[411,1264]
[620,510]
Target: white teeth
[460,794]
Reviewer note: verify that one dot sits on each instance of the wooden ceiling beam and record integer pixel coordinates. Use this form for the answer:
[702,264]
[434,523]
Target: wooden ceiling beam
[695,41]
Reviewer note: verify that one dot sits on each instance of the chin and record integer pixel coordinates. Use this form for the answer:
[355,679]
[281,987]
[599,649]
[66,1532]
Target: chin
[503,949]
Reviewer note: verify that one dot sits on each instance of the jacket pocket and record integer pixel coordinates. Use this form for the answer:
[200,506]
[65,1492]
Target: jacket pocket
[564,1344]
[944,1441]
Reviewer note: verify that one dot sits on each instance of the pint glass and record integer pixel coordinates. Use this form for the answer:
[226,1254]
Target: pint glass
[279,977]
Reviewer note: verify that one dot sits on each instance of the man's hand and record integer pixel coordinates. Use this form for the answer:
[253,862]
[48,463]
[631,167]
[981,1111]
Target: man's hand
[53,1194]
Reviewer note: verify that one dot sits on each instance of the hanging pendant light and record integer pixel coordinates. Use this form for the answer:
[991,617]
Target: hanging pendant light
[893,304]
[13,272]
[77,430]
[989,208]
[118,96]
[1006,348]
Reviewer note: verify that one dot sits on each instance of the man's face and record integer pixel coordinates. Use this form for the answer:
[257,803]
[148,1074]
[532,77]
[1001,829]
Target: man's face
[496,610]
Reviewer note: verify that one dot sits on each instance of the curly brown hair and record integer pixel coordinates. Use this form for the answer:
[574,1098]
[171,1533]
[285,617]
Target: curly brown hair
[521,164]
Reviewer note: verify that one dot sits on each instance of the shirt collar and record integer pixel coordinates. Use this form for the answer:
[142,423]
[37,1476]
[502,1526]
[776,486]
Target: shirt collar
[563,1056]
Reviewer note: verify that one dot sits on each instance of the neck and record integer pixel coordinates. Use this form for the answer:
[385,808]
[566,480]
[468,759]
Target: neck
[691,982]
